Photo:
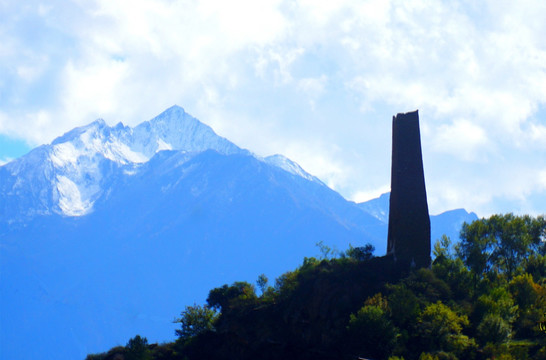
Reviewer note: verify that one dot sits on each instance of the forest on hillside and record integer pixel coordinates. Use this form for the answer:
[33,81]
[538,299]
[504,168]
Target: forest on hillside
[484,297]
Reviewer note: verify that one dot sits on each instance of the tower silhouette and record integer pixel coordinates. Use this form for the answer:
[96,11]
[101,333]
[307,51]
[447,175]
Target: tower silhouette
[409,221]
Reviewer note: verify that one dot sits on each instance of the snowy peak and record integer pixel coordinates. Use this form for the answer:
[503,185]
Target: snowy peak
[95,126]
[174,129]
[83,160]
[81,166]
[95,139]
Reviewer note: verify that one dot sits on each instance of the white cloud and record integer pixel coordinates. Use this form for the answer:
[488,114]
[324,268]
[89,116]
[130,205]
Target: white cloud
[315,80]
[542,179]
[93,87]
[535,136]
[5,160]
[464,140]
[313,88]
[365,195]
[33,69]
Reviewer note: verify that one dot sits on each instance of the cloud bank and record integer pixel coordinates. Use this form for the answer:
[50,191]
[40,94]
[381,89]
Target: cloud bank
[318,81]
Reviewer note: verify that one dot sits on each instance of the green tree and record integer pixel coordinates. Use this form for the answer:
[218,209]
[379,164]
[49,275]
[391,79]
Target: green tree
[451,269]
[531,300]
[195,320]
[379,301]
[371,332]
[226,297]
[476,247]
[439,355]
[440,329]
[535,265]
[404,305]
[442,248]
[428,356]
[327,253]
[288,282]
[493,329]
[525,291]
[497,302]
[137,349]
[536,227]
[515,236]
[501,242]
[262,283]
[360,253]
[427,285]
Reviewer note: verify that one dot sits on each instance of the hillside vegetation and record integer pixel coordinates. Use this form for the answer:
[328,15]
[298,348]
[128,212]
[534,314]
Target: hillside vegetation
[482,298]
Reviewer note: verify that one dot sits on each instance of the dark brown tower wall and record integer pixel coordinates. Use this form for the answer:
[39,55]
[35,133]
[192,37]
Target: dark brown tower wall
[409,222]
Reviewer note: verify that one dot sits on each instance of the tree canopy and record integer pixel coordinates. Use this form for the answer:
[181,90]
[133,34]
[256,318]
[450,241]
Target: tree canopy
[484,297]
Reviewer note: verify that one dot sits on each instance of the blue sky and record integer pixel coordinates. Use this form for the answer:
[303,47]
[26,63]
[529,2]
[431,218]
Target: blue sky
[315,80]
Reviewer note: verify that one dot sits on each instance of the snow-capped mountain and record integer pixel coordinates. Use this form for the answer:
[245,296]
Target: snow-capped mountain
[70,175]
[109,232]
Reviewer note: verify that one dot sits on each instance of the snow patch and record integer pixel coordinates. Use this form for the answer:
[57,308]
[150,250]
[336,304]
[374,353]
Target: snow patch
[121,153]
[64,154]
[162,145]
[70,199]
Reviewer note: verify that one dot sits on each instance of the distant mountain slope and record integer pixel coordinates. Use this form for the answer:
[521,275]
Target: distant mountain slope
[447,223]
[163,238]
[110,231]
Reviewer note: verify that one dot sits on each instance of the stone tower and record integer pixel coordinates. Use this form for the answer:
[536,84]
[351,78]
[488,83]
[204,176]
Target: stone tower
[409,222]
